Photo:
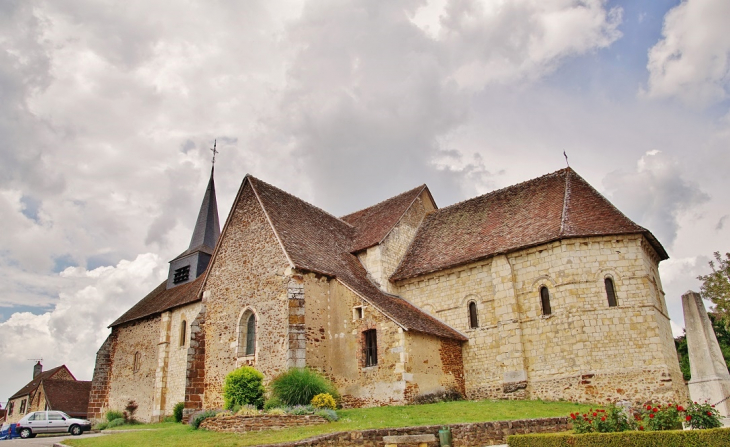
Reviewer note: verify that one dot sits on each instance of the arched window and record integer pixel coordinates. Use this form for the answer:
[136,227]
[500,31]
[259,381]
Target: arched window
[247,334]
[473,320]
[370,348]
[183,332]
[610,292]
[545,298]
[137,361]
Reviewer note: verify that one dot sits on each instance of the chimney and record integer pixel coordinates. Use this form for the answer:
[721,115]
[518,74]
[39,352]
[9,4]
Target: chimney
[37,369]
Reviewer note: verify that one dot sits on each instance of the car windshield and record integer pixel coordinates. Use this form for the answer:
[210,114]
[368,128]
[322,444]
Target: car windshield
[64,414]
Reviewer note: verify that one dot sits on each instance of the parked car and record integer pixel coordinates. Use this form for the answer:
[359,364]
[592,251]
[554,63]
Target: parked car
[50,422]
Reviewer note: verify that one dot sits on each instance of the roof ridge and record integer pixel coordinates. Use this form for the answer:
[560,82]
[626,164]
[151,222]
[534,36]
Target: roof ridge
[500,190]
[566,198]
[405,210]
[385,200]
[300,199]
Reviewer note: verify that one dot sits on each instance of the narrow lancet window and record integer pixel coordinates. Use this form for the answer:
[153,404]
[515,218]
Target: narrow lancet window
[610,292]
[251,335]
[473,320]
[183,332]
[136,365]
[545,298]
[247,334]
[371,348]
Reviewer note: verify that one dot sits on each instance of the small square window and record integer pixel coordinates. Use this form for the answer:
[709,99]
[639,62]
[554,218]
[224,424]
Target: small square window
[357,313]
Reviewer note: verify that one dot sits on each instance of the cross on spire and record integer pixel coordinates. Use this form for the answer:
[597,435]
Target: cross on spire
[214,150]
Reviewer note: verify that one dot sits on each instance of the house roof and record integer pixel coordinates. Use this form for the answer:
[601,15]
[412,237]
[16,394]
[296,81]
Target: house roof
[69,396]
[162,299]
[373,224]
[33,384]
[319,242]
[555,206]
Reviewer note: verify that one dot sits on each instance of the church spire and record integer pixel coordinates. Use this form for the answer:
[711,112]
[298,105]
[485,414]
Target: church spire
[191,263]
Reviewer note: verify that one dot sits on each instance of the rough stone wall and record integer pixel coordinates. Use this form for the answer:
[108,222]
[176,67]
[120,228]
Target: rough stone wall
[195,366]
[408,363]
[464,435]
[100,382]
[242,424]
[126,384]
[178,356]
[585,350]
[381,260]
[250,271]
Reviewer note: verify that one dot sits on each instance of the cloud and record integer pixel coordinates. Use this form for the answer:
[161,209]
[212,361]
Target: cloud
[655,194]
[692,60]
[72,332]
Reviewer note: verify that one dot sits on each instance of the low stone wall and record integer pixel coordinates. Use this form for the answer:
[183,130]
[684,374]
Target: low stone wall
[241,424]
[464,435]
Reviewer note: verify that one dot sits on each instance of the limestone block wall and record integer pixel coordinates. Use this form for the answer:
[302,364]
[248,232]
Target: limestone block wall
[585,350]
[125,383]
[249,272]
[408,363]
[178,355]
[381,260]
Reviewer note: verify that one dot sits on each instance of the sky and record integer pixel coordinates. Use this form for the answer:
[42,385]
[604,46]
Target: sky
[108,111]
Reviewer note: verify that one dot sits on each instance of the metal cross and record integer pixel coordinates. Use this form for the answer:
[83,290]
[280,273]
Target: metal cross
[566,158]
[214,150]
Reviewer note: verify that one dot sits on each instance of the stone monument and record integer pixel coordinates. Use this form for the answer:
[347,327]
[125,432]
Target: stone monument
[710,377]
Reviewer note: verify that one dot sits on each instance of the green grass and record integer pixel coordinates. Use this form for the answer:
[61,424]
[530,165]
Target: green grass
[172,434]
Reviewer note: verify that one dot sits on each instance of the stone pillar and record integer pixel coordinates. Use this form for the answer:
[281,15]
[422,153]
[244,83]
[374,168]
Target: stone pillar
[195,369]
[101,381]
[710,378]
[163,358]
[297,355]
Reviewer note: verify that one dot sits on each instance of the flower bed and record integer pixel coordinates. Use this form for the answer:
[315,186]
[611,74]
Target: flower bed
[716,437]
[241,424]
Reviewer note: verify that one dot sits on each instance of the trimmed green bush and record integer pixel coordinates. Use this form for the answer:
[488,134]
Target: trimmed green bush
[177,411]
[274,402]
[243,386]
[299,385]
[112,414]
[100,426]
[200,417]
[716,437]
[330,415]
[116,422]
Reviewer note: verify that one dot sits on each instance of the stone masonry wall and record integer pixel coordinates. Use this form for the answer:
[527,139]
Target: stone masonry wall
[250,271]
[178,355]
[585,350]
[127,384]
[464,435]
[100,385]
[195,367]
[242,424]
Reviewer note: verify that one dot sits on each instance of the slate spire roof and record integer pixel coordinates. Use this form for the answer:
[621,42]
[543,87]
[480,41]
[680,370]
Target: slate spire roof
[555,206]
[207,227]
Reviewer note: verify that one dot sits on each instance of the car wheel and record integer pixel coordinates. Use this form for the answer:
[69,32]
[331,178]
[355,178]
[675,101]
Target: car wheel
[75,430]
[26,433]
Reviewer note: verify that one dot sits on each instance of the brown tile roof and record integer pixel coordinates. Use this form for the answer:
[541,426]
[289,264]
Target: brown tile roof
[69,396]
[33,384]
[552,207]
[374,223]
[162,299]
[319,242]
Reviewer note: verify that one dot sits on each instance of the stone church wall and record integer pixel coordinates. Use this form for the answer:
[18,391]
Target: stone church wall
[178,355]
[249,272]
[585,350]
[125,383]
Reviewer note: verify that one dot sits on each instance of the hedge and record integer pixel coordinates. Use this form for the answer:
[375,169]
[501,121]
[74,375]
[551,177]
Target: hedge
[715,437]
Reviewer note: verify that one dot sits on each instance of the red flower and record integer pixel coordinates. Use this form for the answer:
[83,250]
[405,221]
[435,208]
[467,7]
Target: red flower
[595,414]
[641,427]
[709,413]
[572,415]
[689,418]
[680,408]
[651,415]
[603,418]
[655,409]
[648,407]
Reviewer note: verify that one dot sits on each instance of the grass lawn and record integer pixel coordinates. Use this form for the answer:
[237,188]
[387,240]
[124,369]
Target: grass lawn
[171,434]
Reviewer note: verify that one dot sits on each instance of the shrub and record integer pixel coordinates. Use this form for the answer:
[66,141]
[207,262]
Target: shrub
[324,400]
[300,409]
[111,415]
[276,411]
[247,410]
[116,422]
[660,417]
[129,411]
[330,415]
[601,421]
[243,386]
[169,419]
[200,417]
[702,416]
[717,437]
[274,402]
[177,411]
[100,426]
[299,385]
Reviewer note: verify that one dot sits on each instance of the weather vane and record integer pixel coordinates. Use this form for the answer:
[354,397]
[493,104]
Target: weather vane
[214,150]
[566,158]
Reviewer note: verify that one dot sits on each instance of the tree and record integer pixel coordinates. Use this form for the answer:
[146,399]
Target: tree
[716,287]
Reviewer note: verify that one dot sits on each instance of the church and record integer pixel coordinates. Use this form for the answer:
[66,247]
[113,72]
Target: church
[540,290]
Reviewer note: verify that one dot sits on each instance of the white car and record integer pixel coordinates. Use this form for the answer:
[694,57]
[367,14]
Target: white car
[40,422]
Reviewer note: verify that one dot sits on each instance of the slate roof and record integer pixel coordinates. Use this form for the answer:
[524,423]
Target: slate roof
[69,396]
[33,384]
[319,242]
[555,206]
[374,223]
[162,299]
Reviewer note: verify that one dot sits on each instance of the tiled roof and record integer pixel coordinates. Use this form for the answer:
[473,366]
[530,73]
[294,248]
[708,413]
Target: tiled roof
[319,242]
[69,396]
[33,384]
[552,207]
[374,223]
[162,299]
